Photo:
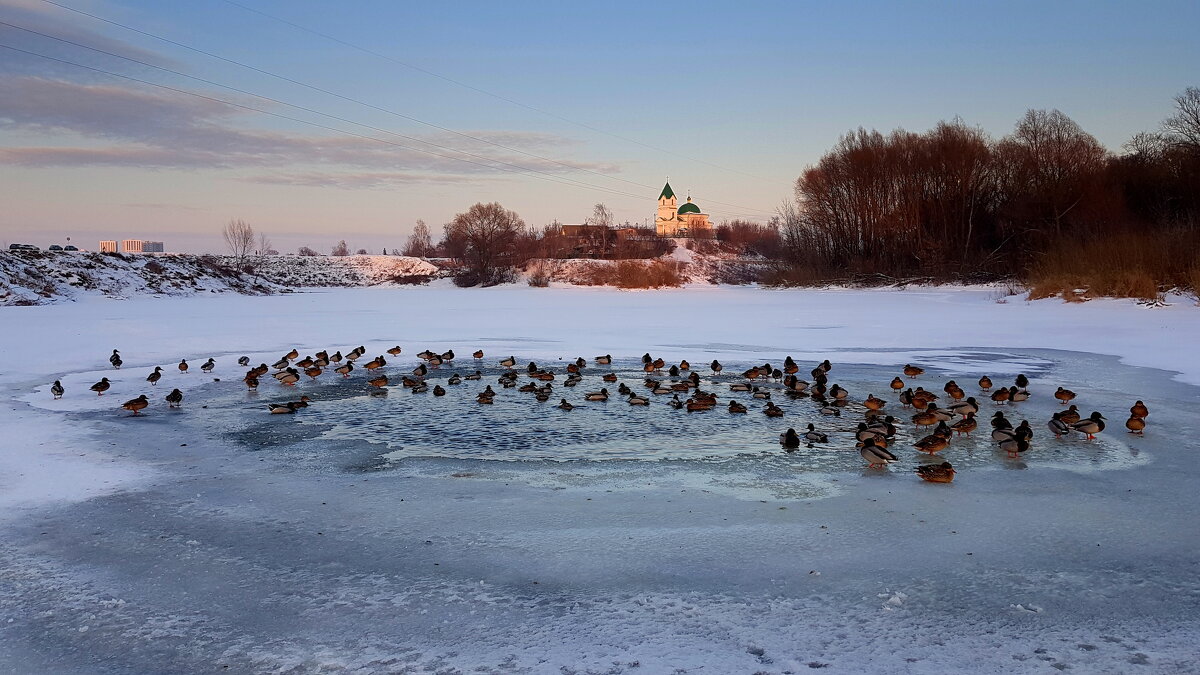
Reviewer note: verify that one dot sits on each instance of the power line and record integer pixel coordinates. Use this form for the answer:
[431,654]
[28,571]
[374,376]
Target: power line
[485,92]
[327,92]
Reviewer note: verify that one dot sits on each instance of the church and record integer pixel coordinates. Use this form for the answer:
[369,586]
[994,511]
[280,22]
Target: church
[680,221]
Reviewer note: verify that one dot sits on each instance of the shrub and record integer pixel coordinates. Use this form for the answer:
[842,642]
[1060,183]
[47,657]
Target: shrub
[539,275]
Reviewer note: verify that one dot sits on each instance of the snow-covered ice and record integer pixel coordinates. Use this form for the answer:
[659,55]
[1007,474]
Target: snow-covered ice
[407,534]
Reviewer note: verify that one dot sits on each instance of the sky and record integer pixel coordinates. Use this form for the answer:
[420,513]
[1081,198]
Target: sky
[319,121]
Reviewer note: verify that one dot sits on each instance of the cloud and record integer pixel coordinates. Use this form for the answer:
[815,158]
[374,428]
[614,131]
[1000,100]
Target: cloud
[147,128]
[357,181]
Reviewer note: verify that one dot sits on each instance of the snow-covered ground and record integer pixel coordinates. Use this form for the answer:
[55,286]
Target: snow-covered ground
[218,538]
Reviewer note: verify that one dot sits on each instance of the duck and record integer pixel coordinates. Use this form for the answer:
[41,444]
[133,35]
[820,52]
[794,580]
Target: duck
[913,371]
[336,358]
[603,360]
[207,366]
[313,373]
[484,398]
[1140,410]
[634,399]
[243,361]
[174,399]
[183,365]
[825,366]
[57,389]
[999,421]
[921,394]
[964,407]
[136,404]
[838,392]
[477,375]
[251,383]
[609,377]
[281,364]
[873,403]
[1064,396]
[831,411]
[1017,395]
[282,408]
[421,370]
[966,425]
[377,362]
[306,362]
[115,359]
[956,393]
[345,369]
[421,388]
[302,402]
[925,418]
[381,381]
[477,355]
[395,351]
[1135,424]
[1024,431]
[789,439]
[886,426]
[673,371]
[812,435]
[101,386]
[735,407]
[439,390]
[985,383]
[1014,446]
[1091,425]
[624,389]
[1057,426]
[716,367]
[772,410]
[907,397]
[932,443]
[289,377]
[864,432]
[936,473]
[601,395]
[761,394]
[564,404]
[1021,381]
[1071,415]
[875,456]
[292,355]
[155,376]
[684,365]
[693,405]
[454,379]
[1001,395]
[739,386]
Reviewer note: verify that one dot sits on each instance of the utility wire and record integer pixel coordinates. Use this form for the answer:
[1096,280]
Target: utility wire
[349,99]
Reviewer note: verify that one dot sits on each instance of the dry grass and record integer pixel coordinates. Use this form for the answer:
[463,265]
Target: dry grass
[633,274]
[1124,265]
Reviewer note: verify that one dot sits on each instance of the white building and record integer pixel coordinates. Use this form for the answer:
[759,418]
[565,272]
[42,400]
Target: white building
[141,246]
[108,246]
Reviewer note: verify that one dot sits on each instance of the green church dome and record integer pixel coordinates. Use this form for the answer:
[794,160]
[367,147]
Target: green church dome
[689,207]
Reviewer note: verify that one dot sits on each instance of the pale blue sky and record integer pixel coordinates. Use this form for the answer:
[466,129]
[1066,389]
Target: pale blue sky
[754,91]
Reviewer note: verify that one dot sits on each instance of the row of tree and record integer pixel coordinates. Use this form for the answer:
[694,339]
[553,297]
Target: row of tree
[952,202]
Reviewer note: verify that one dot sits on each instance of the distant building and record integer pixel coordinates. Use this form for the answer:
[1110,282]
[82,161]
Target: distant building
[108,246]
[141,246]
[684,221]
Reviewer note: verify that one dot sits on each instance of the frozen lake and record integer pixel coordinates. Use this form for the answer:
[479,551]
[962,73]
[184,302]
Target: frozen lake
[409,533]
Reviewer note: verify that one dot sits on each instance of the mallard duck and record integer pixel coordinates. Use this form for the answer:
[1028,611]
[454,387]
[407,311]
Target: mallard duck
[454,379]
[812,435]
[761,394]
[885,426]
[1014,446]
[1090,425]
[477,355]
[1064,396]
[735,407]
[1024,431]
[381,381]
[292,355]
[251,383]
[484,398]
[425,354]
[789,439]
[684,365]
[281,364]
[831,411]
[155,376]
[439,390]
[306,362]
[716,367]
[345,369]
[964,407]
[313,372]
[913,371]
[101,386]
[282,408]
[243,361]
[565,405]
[289,377]
[1139,409]
[207,366]
[183,365]
[1135,424]
[1001,395]
[603,360]
[421,388]
[927,417]
[966,425]
[395,351]
[377,362]
[873,403]
[922,394]
[999,421]
[773,410]
[985,383]
[624,389]
[1022,382]
[435,361]
[174,399]
[932,443]
[936,473]
[1057,426]
[136,404]
[302,402]
[336,358]
[57,389]
[601,395]
[634,399]
[477,375]
[739,386]
[1017,395]
[1070,415]
[115,359]
[864,432]
[875,456]
[509,362]
[907,397]
[838,392]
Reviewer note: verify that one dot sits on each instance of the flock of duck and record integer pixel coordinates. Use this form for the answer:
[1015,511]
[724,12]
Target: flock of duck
[874,434]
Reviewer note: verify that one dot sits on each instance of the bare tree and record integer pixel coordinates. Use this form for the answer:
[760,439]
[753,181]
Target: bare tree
[239,237]
[1183,128]
[341,249]
[419,243]
[264,244]
[307,252]
[601,215]
[485,238]
[361,251]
